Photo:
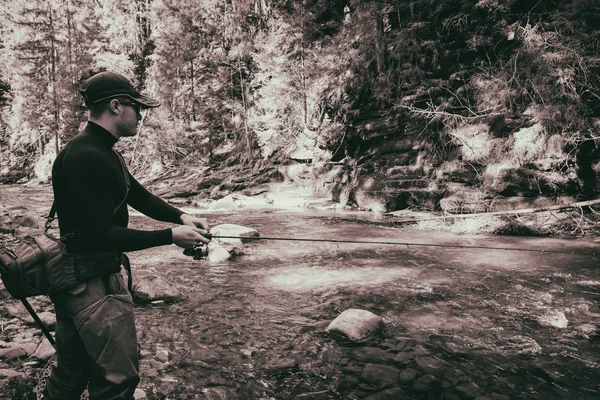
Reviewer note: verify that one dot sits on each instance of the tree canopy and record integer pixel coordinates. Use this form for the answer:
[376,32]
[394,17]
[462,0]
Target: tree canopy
[248,80]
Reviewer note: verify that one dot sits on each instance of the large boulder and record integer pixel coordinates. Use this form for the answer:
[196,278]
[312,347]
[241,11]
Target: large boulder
[240,231]
[356,325]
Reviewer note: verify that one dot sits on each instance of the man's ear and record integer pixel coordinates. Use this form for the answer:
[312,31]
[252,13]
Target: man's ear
[114,106]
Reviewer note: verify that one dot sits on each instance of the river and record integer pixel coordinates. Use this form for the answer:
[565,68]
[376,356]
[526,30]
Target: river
[461,323]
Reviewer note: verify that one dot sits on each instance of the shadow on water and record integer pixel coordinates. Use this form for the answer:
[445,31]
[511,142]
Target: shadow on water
[460,323]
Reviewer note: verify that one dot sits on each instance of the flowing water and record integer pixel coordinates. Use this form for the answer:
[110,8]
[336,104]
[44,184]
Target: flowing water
[496,322]
[460,323]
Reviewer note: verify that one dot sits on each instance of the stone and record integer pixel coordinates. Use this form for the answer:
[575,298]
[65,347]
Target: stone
[219,393]
[17,311]
[372,355]
[234,230]
[390,394]
[152,288]
[467,391]
[10,373]
[356,324]
[162,355]
[139,394]
[281,366]
[320,395]
[26,220]
[45,351]
[380,375]
[217,253]
[553,318]
[403,358]
[407,376]
[48,319]
[430,365]
[426,383]
[13,352]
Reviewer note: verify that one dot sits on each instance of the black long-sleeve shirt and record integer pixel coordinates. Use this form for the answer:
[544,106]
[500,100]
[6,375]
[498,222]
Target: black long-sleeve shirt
[92,188]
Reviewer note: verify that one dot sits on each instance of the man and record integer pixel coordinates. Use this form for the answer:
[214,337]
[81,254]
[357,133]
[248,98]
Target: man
[96,340]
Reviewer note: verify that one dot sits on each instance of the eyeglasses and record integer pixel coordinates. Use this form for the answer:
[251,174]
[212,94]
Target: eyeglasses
[136,107]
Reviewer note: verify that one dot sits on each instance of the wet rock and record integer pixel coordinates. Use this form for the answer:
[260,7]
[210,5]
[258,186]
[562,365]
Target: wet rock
[433,366]
[320,395]
[421,351]
[139,395]
[234,230]
[390,394]
[205,355]
[556,319]
[217,253]
[426,383]
[152,288]
[281,366]
[347,382]
[45,351]
[356,324]
[217,380]
[219,393]
[587,329]
[372,355]
[467,391]
[403,358]
[162,355]
[380,375]
[407,376]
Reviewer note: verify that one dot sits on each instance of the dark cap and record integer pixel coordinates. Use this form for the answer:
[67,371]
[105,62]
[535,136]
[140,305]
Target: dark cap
[108,85]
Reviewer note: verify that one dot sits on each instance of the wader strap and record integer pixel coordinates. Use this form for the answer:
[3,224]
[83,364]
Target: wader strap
[127,265]
[39,322]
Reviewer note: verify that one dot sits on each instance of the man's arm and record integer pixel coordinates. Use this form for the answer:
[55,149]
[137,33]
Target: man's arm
[154,207]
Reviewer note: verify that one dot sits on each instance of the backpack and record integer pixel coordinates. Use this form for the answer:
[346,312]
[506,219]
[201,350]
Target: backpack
[39,264]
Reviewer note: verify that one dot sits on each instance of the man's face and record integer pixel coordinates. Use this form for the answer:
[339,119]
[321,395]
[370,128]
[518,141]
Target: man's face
[129,117]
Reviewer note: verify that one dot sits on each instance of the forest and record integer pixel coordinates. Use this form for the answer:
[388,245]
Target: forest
[419,103]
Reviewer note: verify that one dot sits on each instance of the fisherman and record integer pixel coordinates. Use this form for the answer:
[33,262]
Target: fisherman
[96,342]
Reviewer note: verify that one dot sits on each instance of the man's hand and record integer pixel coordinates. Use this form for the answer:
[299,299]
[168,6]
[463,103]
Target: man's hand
[190,220]
[186,236]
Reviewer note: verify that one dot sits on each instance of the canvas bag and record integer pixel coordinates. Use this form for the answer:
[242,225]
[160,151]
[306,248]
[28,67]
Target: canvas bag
[39,264]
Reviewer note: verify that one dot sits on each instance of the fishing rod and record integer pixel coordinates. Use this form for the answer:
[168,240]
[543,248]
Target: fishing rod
[199,253]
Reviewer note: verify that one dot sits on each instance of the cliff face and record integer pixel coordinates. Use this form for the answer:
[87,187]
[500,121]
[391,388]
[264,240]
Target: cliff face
[509,162]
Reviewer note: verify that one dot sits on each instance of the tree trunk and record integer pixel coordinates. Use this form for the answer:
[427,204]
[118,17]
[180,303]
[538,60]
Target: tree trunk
[53,77]
[193,95]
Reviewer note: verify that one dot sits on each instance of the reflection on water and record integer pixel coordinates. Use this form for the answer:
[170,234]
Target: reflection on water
[255,324]
[309,278]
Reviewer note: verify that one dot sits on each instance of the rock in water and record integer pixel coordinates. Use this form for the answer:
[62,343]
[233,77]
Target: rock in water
[234,230]
[152,288]
[355,324]
[217,253]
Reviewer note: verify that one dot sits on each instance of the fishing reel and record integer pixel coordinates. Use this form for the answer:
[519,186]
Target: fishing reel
[198,252]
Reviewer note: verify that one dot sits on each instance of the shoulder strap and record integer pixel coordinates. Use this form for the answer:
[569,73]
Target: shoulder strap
[50,217]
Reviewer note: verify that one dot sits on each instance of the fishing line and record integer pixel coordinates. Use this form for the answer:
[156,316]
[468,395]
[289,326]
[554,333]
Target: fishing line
[408,244]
